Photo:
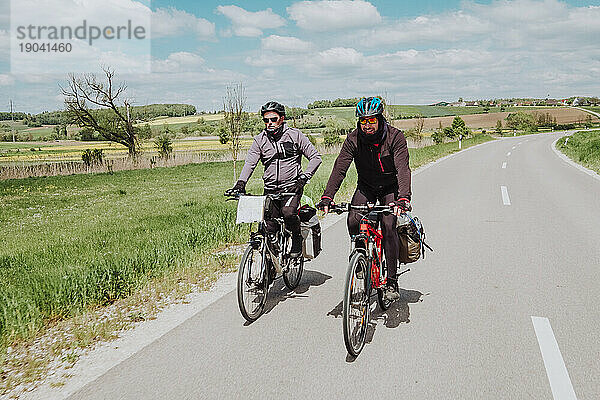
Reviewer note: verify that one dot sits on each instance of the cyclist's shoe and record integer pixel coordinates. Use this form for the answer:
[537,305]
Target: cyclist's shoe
[296,250]
[390,291]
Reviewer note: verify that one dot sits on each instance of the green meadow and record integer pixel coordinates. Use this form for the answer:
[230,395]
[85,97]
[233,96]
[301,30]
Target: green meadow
[583,147]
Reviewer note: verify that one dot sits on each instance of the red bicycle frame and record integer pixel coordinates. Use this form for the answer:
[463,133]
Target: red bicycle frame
[374,235]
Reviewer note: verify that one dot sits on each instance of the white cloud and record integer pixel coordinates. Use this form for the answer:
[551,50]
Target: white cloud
[106,12]
[87,53]
[250,24]
[285,44]
[452,27]
[171,22]
[329,15]
[37,78]
[501,25]
[178,62]
[6,80]
[339,57]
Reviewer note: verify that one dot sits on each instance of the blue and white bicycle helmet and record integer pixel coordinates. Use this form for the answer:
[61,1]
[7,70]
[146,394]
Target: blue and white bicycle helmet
[369,106]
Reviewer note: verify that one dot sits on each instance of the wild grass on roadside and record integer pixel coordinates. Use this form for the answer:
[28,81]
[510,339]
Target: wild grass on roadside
[582,147]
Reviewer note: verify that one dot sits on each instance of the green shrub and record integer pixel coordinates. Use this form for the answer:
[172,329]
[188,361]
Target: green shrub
[92,157]
[164,145]
[331,139]
[438,136]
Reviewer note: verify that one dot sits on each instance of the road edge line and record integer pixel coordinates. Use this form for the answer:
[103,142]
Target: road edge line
[572,163]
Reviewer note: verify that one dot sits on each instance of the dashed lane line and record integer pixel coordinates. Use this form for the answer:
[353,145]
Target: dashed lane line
[505,198]
[504,165]
[560,383]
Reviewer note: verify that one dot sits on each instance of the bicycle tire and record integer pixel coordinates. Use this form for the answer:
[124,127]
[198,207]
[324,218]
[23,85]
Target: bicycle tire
[252,307]
[292,276]
[355,299]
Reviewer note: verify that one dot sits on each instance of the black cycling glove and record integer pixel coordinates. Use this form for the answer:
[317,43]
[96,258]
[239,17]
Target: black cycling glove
[404,204]
[325,202]
[238,188]
[300,183]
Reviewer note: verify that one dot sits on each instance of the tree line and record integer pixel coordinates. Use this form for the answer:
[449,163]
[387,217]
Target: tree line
[334,103]
[140,113]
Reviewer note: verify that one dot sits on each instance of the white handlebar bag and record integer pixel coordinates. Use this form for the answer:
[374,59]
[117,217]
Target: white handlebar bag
[250,209]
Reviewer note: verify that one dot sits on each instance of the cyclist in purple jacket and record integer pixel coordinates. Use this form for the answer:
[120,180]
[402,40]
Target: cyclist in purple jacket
[380,154]
[280,149]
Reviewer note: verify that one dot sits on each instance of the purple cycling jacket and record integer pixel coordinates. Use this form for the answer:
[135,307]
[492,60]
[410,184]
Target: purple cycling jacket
[282,158]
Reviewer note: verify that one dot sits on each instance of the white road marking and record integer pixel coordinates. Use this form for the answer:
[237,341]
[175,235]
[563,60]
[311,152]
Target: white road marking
[505,198]
[504,165]
[519,143]
[514,147]
[508,154]
[560,383]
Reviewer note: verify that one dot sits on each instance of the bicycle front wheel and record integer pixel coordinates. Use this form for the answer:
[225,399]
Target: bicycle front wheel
[356,304]
[253,283]
[292,275]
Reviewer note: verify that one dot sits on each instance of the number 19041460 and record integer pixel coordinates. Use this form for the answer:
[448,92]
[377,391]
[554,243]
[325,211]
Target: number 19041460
[45,47]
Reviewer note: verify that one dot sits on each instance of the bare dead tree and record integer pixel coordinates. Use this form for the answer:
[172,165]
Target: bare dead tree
[86,91]
[233,107]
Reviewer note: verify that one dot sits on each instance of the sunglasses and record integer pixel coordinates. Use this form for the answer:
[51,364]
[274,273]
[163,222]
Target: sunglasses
[272,119]
[371,120]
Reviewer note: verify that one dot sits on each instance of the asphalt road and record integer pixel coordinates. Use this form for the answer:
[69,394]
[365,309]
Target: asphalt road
[464,327]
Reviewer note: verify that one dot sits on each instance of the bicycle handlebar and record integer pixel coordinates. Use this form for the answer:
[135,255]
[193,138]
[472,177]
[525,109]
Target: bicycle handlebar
[275,196]
[344,207]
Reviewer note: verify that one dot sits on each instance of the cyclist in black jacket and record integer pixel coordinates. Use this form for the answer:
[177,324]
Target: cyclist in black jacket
[380,154]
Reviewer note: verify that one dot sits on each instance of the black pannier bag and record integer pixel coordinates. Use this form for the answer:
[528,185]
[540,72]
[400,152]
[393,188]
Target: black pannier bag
[311,232]
[412,239]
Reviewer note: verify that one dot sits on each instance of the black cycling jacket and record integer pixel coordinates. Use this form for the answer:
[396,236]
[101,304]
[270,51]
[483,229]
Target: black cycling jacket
[381,167]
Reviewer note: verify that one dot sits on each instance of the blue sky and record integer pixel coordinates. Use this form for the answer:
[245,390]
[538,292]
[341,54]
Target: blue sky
[299,51]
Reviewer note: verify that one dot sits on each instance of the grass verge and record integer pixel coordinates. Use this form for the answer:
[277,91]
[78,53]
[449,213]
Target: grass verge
[75,246]
[583,147]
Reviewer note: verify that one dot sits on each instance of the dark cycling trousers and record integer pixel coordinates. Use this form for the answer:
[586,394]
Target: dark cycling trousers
[391,243]
[286,208]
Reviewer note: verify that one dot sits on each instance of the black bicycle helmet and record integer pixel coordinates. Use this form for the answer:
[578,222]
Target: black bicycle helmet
[273,106]
[369,106]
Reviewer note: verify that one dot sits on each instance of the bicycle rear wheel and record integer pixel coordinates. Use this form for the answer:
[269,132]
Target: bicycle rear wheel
[292,276]
[356,305]
[253,283]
